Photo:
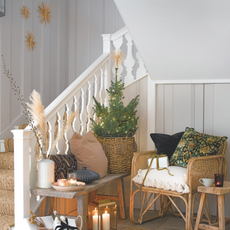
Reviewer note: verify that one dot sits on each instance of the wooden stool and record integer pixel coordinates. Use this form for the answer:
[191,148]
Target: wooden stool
[219,191]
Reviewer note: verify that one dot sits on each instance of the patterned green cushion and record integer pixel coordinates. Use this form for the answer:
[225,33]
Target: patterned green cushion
[194,144]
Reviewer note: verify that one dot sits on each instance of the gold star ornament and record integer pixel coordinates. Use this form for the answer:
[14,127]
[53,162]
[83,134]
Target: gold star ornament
[45,13]
[30,43]
[25,12]
[118,57]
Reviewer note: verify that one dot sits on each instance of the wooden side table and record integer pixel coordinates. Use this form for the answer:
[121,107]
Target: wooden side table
[219,191]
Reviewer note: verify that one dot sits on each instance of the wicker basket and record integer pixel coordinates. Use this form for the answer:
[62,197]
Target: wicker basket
[119,151]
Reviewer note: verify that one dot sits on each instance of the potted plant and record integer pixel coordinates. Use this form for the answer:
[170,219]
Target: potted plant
[116,125]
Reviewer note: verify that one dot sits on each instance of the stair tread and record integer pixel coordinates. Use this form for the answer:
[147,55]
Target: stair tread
[7,179]
[6,221]
[6,202]
[7,160]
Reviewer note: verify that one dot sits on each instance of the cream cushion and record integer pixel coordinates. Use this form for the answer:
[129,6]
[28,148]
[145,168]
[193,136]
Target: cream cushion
[162,179]
[89,153]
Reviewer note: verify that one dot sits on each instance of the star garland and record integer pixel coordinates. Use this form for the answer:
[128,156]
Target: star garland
[30,43]
[45,13]
[25,12]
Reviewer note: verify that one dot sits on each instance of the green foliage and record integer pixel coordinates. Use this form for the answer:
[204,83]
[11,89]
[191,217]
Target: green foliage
[115,120]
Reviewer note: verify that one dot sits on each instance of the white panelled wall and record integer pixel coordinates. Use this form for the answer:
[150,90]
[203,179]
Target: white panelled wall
[203,106]
[64,49]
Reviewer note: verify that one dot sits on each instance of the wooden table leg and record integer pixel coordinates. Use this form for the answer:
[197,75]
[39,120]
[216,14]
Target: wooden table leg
[121,197]
[221,212]
[82,210]
[48,205]
[200,211]
[93,195]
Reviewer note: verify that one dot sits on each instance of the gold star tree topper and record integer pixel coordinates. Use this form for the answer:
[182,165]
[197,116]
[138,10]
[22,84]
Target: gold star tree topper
[45,13]
[118,57]
[25,12]
[30,43]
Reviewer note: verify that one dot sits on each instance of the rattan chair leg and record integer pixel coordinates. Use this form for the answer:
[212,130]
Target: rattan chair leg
[142,207]
[140,220]
[181,214]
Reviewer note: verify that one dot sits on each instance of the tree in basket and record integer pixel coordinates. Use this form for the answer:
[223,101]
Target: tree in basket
[116,125]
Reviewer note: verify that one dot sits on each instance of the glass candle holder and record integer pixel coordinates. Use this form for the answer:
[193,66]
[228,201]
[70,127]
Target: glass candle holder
[102,215]
[219,180]
[72,179]
[62,182]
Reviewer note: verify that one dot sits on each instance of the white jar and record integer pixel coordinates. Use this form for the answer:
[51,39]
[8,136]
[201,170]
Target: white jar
[45,173]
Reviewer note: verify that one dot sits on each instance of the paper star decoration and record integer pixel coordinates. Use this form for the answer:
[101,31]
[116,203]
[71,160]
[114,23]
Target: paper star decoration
[45,13]
[25,12]
[30,43]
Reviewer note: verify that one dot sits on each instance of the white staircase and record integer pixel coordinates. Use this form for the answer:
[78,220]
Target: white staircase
[79,95]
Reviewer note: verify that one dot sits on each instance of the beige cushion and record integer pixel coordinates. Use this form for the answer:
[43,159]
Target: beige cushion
[89,153]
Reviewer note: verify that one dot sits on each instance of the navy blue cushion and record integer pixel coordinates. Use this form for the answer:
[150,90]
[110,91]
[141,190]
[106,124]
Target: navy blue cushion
[165,143]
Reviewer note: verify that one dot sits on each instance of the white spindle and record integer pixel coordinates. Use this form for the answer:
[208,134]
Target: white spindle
[76,124]
[100,89]
[103,86]
[97,85]
[55,121]
[61,142]
[117,44]
[141,71]
[107,82]
[90,102]
[129,61]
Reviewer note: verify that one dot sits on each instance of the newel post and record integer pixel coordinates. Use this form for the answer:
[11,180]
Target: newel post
[22,168]
[106,43]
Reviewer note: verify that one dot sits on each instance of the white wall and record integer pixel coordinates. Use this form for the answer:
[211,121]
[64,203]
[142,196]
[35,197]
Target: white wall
[182,39]
[64,49]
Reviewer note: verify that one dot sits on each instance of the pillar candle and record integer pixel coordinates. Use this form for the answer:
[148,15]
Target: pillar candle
[95,222]
[106,221]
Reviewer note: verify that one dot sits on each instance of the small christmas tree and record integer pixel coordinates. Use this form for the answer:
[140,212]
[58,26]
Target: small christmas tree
[116,120]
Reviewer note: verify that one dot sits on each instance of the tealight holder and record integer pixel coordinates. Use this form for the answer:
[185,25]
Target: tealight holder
[71,179]
[219,180]
[62,182]
[102,215]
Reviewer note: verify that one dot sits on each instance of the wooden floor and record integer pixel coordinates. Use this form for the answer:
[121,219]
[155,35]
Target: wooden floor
[168,222]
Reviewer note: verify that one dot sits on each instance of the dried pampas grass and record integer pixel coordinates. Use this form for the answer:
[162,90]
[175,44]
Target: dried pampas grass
[66,123]
[36,109]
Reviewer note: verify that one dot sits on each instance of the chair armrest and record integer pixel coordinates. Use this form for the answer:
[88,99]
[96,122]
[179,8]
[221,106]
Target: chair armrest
[206,166]
[139,161]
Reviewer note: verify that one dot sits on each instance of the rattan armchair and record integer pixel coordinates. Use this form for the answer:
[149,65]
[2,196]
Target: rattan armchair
[198,167]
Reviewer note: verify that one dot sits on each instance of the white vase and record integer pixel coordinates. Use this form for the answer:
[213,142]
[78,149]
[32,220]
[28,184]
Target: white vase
[45,173]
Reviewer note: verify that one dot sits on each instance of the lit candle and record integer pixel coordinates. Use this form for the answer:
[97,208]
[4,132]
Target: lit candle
[62,182]
[217,183]
[71,182]
[106,221]
[95,222]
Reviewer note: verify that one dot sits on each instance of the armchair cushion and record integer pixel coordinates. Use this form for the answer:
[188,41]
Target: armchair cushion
[195,144]
[161,179]
[165,143]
